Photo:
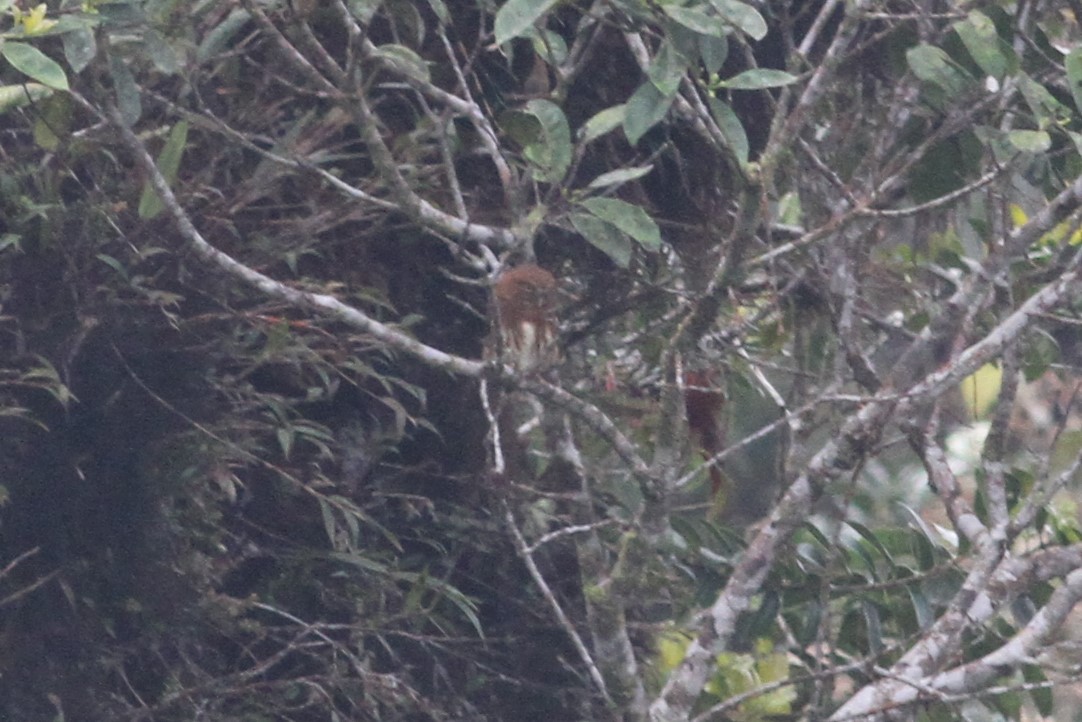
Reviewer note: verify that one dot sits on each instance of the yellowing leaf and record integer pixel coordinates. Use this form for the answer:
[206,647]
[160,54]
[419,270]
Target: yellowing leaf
[981,390]
[1018,216]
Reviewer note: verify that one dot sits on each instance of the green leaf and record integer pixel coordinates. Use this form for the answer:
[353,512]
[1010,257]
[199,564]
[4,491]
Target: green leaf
[604,236]
[619,176]
[978,34]
[168,163]
[759,78]
[645,109]
[695,19]
[550,154]
[161,52]
[630,219]
[1043,104]
[516,17]
[935,67]
[128,99]
[1042,696]
[1030,141]
[603,122]
[80,47]
[549,45]
[404,60]
[30,61]
[713,51]
[668,69]
[731,127]
[742,16]
[1074,76]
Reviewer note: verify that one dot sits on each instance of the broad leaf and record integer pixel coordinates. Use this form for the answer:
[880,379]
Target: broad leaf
[742,16]
[30,61]
[984,45]
[645,109]
[695,19]
[550,153]
[630,219]
[604,236]
[603,122]
[516,17]
[934,66]
[80,47]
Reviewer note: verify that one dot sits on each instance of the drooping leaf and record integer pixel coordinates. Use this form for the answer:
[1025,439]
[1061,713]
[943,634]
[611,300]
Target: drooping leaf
[645,109]
[994,56]
[80,47]
[667,69]
[731,127]
[712,51]
[30,61]
[516,17]
[128,98]
[604,236]
[550,153]
[758,78]
[168,163]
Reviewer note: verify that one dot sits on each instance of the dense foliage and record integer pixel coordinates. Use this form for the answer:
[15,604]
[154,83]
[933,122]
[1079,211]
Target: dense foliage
[261,457]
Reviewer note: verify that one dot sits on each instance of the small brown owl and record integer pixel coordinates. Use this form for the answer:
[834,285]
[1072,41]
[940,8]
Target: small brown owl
[526,298]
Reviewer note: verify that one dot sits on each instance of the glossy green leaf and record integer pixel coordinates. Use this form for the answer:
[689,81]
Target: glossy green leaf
[758,78]
[168,163]
[32,62]
[516,17]
[631,219]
